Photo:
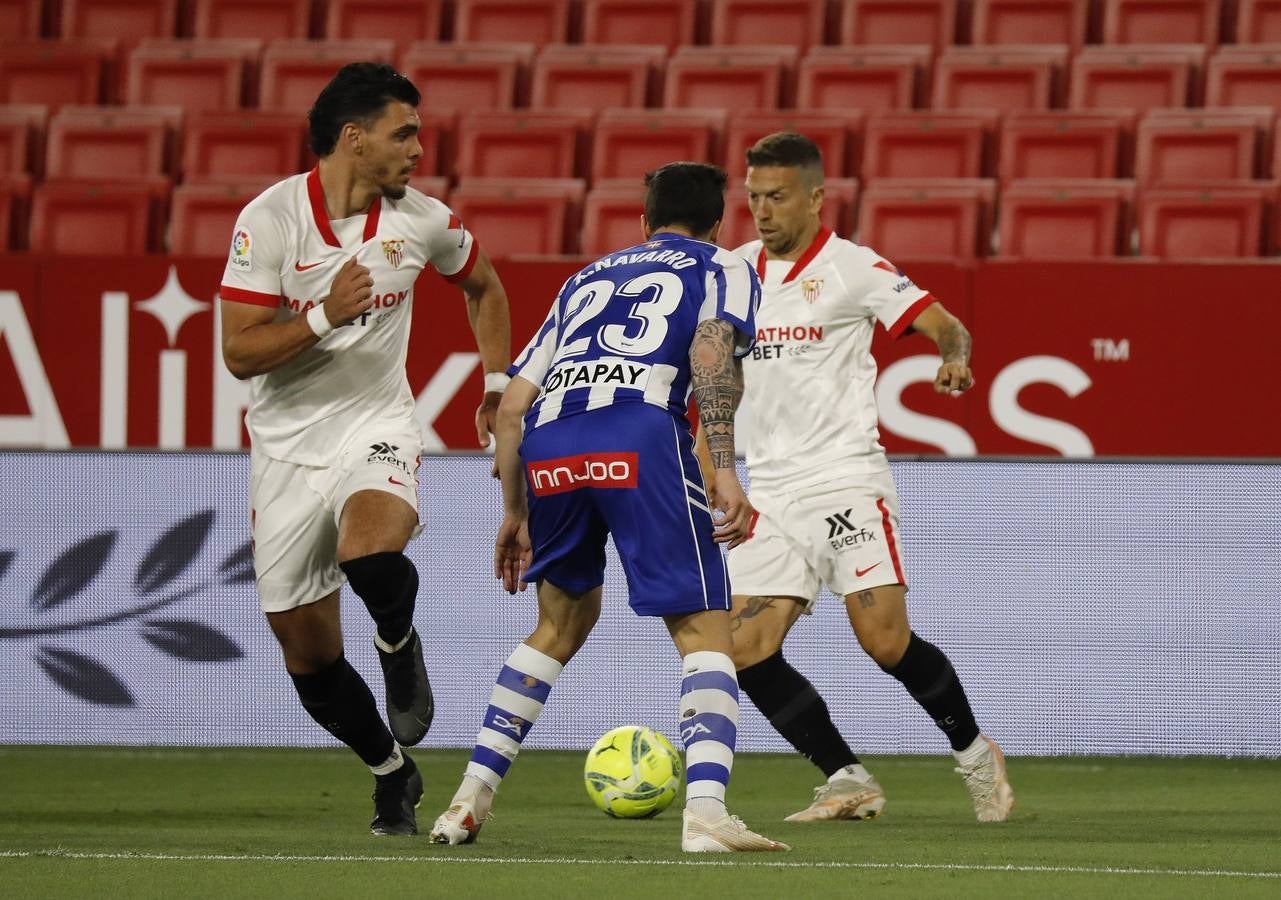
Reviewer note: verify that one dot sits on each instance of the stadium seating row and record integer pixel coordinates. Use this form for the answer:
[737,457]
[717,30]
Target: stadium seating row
[797,23]
[230,73]
[903,219]
[1162,147]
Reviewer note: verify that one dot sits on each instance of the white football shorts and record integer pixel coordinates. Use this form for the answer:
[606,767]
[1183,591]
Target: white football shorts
[843,538]
[294,511]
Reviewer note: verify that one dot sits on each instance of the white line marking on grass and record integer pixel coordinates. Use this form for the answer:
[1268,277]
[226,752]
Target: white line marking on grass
[565,860]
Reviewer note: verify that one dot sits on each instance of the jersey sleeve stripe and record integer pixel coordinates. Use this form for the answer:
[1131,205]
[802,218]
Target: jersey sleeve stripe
[462,273]
[904,322]
[240,295]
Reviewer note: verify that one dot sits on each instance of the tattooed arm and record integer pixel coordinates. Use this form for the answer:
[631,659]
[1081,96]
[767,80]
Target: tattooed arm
[953,340]
[717,378]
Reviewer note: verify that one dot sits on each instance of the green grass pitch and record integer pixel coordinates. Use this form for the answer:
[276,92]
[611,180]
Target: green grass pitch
[293,823]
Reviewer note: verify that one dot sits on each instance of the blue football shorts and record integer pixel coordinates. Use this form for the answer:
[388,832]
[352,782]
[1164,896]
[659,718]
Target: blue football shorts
[626,471]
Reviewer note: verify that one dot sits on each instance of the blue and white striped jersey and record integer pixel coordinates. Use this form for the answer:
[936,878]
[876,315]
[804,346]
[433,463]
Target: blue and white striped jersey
[621,328]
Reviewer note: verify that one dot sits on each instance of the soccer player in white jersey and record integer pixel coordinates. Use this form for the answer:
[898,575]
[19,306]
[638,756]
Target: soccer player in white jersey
[602,390]
[316,302]
[828,509]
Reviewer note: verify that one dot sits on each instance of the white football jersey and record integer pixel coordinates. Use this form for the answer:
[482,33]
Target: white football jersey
[285,252]
[808,405]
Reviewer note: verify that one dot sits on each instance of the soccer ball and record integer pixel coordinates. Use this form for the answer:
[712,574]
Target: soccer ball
[632,772]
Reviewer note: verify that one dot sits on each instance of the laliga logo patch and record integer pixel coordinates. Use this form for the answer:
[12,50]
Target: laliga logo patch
[394,250]
[811,288]
[242,250]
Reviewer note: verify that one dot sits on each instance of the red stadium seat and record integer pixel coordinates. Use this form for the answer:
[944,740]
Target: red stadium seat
[294,71]
[729,78]
[516,217]
[533,21]
[1244,76]
[55,73]
[1031,22]
[1046,219]
[265,20]
[670,23]
[20,18]
[432,185]
[595,76]
[930,22]
[1137,78]
[631,142]
[96,218]
[128,21]
[402,20]
[1203,223]
[520,144]
[15,200]
[197,75]
[840,200]
[927,218]
[1161,22]
[611,217]
[1200,145]
[460,78]
[22,130]
[204,215]
[1008,77]
[1063,144]
[793,23]
[437,136]
[871,79]
[830,131]
[927,145]
[1259,22]
[233,146]
[122,143]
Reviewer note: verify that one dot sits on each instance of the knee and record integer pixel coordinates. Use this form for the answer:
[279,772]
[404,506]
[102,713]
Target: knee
[752,647]
[561,639]
[885,644]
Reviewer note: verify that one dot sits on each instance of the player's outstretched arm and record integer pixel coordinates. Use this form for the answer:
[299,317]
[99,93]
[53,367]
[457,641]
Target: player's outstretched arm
[491,324]
[953,340]
[511,549]
[717,378]
[254,343]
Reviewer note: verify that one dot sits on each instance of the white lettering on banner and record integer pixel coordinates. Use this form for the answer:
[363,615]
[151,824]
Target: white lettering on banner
[173,306]
[949,437]
[1012,418]
[43,427]
[1108,350]
[173,400]
[439,393]
[113,413]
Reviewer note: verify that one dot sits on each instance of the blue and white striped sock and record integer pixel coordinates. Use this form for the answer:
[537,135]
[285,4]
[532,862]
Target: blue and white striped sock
[517,699]
[709,728]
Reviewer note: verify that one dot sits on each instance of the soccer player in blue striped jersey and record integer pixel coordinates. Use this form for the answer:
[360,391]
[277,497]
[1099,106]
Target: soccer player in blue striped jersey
[602,391]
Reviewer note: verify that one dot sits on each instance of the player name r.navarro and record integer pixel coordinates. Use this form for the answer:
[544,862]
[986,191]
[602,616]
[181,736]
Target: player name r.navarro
[604,371]
[677,259]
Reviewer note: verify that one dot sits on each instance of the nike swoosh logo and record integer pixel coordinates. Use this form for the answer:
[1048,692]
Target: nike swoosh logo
[301,268]
[402,484]
[859,573]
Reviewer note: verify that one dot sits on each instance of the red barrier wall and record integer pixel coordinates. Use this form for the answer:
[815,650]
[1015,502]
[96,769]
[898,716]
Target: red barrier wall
[1123,358]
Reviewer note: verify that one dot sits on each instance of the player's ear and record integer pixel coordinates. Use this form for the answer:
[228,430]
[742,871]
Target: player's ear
[645,229]
[715,232]
[354,136]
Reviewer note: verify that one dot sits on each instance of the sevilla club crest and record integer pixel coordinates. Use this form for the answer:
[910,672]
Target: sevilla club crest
[394,250]
[811,288]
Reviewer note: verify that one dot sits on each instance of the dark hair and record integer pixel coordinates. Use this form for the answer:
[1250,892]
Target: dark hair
[789,149]
[357,93]
[685,193]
